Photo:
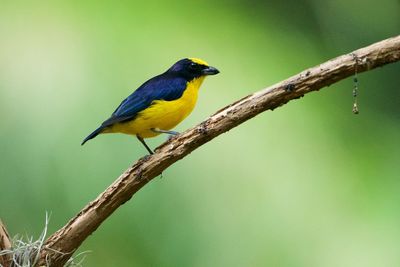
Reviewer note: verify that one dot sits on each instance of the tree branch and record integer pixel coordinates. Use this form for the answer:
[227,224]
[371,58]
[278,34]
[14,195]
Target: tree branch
[70,237]
[5,244]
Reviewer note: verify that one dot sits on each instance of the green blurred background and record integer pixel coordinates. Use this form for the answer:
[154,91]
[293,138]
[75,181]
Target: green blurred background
[309,184]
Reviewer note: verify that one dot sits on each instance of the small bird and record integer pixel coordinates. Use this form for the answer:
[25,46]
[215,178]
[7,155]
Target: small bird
[159,104]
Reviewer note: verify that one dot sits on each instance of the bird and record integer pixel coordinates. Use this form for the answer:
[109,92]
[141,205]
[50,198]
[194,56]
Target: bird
[159,104]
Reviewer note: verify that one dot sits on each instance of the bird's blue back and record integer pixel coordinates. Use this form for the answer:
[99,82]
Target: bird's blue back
[167,86]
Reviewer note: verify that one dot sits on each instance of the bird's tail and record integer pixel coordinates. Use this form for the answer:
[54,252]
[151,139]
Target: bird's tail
[93,135]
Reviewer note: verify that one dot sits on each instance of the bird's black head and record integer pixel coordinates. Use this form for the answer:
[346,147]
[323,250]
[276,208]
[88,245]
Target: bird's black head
[191,68]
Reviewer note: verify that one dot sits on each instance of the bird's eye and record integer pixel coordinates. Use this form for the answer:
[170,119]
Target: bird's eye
[194,67]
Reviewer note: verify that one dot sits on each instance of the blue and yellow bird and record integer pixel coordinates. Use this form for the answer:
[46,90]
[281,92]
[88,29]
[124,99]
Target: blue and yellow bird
[159,104]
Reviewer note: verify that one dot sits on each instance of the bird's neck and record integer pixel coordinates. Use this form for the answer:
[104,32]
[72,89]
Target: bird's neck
[192,89]
[195,83]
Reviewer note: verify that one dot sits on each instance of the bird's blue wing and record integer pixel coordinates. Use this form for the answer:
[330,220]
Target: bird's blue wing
[162,87]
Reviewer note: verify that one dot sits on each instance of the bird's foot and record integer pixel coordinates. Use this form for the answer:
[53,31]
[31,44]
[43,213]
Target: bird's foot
[170,133]
[156,130]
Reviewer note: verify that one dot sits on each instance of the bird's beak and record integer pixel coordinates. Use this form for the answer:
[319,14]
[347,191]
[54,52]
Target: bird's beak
[210,71]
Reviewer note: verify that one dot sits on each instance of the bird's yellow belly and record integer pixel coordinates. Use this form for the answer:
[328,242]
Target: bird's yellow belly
[163,115]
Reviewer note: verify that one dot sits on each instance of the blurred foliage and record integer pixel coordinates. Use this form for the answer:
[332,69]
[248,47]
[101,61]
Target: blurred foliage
[309,184]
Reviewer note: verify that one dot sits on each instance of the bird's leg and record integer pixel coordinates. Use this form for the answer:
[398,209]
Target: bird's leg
[145,145]
[171,133]
[156,130]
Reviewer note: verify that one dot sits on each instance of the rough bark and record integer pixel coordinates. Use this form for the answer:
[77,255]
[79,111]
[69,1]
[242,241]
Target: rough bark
[70,237]
[5,244]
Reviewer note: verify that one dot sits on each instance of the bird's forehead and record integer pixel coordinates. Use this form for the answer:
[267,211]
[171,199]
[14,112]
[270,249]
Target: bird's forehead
[198,61]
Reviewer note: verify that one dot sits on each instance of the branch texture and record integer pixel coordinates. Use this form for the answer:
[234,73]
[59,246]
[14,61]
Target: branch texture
[5,244]
[70,237]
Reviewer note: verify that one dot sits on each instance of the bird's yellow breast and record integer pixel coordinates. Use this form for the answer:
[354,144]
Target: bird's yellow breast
[162,114]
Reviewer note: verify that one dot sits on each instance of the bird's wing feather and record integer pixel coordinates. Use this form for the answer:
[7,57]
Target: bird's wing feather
[162,87]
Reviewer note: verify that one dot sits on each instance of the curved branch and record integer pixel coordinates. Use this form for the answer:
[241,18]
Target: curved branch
[70,237]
